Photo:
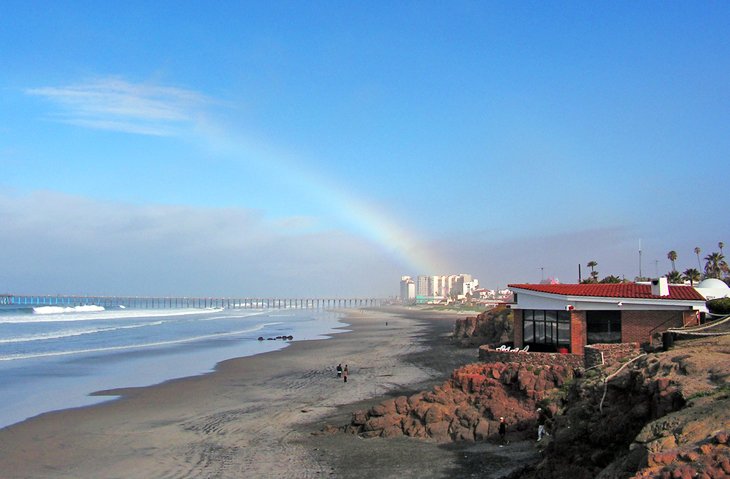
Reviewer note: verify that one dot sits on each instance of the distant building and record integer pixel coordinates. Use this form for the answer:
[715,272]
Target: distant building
[407,290]
[424,286]
[443,287]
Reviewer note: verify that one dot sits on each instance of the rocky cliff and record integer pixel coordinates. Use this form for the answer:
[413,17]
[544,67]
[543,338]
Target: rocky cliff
[494,327]
[468,406]
[664,415]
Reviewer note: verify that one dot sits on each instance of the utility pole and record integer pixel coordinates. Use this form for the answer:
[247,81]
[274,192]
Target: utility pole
[640,276]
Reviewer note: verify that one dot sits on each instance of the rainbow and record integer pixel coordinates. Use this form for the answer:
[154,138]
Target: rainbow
[372,223]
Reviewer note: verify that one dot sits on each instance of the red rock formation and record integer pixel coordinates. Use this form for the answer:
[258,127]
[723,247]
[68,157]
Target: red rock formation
[467,407]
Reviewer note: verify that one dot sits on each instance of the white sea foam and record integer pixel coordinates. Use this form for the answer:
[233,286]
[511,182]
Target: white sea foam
[14,357]
[103,315]
[86,308]
[75,332]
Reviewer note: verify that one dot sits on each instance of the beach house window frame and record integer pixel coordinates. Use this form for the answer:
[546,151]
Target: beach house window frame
[603,327]
[546,330]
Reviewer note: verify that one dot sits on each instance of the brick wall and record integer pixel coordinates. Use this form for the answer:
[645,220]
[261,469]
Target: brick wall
[578,331]
[610,354]
[637,326]
[489,355]
[518,327]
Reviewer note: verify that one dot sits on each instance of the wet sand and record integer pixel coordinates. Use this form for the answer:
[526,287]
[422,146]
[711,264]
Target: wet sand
[258,416]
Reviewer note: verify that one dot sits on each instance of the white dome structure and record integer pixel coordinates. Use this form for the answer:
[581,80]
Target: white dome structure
[712,288]
[712,283]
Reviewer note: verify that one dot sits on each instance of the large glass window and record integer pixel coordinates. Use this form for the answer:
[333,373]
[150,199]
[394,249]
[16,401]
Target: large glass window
[603,327]
[546,330]
[528,332]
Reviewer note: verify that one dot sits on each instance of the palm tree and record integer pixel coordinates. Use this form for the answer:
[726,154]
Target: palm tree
[592,264]
[715,265]
[672,255]
[674,277]
[721,245]
[692,275]
[697,252]
[611,279]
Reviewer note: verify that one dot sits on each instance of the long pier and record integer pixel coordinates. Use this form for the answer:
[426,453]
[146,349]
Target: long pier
[140,302]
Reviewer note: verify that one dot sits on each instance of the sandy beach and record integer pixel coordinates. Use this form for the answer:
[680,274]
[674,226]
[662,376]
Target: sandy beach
[259,416]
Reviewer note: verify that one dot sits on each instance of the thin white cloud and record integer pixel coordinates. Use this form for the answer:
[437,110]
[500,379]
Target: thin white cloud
[63,243]
[118,105]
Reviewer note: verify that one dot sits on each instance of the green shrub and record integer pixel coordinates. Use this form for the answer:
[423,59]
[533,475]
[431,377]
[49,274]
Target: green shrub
[719,306]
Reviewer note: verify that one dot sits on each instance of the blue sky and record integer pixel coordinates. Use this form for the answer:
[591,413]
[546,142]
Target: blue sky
[326,148]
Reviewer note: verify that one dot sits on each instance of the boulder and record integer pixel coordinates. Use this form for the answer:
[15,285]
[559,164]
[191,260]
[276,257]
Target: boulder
[481,430]
[439,431]
[384,408]
[401,405]
[359,418]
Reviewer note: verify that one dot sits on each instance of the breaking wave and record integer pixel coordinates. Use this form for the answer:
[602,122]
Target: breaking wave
[87,308]
[134,346]
[76,332]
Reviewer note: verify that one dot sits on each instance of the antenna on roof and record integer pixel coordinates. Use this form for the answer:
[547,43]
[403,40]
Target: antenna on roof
[640,276]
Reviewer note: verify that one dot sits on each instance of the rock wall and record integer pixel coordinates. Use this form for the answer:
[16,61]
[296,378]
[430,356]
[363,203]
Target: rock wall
[595,355]
[610,354]
[490,355]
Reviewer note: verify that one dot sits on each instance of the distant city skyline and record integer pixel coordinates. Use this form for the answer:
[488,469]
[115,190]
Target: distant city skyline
[324,149]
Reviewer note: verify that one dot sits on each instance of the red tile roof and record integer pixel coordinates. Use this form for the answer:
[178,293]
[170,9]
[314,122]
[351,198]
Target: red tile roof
[613,290]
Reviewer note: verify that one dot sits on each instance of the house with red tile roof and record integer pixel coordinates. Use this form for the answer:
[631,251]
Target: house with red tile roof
[567,317]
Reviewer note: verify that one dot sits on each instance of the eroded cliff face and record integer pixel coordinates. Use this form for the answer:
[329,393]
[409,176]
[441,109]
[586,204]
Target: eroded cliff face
[664,415]
[493,327]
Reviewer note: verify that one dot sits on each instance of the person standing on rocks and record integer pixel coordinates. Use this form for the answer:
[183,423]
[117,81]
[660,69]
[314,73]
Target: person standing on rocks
[339,370]
[541,421]
[502,432]
[345,373]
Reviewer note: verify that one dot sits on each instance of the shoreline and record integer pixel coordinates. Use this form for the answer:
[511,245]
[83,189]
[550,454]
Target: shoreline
[253,416]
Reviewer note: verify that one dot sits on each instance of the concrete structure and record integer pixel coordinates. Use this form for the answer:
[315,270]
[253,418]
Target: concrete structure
[567,317]
[167,302]
[712,288]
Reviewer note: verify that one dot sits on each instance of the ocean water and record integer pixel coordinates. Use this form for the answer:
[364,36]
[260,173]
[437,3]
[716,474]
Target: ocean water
[53,357]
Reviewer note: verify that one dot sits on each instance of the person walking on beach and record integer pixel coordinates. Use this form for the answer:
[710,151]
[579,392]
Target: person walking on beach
[345,373]
[502,432]
[339,370]
[541,421]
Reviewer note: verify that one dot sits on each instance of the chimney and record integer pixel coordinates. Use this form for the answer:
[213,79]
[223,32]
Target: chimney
[659,287]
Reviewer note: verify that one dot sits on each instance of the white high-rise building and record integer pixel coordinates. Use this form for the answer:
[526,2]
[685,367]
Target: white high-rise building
[424,287]
[443,286]
[407,290]
[439,286]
